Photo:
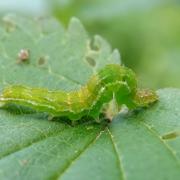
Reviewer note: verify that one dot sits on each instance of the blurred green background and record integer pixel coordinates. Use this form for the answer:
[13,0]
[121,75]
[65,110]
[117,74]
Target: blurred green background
[147,33]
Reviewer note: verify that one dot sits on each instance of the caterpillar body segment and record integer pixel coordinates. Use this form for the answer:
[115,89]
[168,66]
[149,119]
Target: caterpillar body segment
[113,81]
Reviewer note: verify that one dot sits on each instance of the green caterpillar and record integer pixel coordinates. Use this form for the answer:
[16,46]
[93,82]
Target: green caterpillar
[113,81]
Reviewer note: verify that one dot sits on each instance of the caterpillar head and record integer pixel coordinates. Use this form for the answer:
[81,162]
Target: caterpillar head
[145,97]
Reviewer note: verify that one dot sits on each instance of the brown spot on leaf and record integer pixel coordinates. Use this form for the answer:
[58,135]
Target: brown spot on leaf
[171,135]
[41,61]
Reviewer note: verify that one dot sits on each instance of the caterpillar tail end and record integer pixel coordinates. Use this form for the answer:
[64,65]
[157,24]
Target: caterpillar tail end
[145,97]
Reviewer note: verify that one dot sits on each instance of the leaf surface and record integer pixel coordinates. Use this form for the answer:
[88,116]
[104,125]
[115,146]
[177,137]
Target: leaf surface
[143,145]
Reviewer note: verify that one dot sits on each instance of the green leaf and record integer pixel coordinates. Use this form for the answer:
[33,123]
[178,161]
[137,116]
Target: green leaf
[141,145]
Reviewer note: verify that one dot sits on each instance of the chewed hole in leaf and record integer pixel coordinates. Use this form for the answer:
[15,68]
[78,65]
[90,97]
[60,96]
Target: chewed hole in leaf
[94,45]
[90,61]
[171,135]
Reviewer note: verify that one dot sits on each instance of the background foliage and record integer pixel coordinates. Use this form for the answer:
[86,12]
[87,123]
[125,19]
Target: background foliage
[145,32]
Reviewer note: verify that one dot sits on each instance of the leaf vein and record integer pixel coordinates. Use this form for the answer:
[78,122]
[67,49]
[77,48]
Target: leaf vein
[31,144]
[79,155]
[169,148]
[121,169]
